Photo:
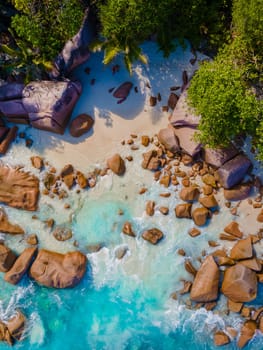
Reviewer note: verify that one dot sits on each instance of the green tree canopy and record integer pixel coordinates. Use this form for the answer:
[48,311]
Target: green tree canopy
[46,25]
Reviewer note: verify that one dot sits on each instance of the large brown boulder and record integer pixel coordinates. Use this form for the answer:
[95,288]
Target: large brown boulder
[200,215]
[5,334]
[221,338]
[233,229]
[168,138]
[81,125]
[18,189]
[183,210]
[7,227]
[7,139]
[16,325]
[247,332]
[7,258]
[242,249]
[190,193]
[233,171]
[57,270]
[153,235]
[20,266]
[150,160]
[116,164]
[238,193]
[208,202]
[240,284]
[206,282]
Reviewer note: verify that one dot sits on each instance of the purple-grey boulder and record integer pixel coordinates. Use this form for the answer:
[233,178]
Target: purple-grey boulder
[233,171]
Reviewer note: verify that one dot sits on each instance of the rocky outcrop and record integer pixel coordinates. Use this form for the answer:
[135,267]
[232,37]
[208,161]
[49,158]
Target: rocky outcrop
[11,91]
[75,51]
[233,171]
[56,270]
[238,193]
[206,282]
[219,156]
[8,227]
[168,139]
[18,189]
[81,125]
[7,258]
[221,338]
[186,141]
[21,265]
[183,115]
[240,283]
[116,164]
[46,105]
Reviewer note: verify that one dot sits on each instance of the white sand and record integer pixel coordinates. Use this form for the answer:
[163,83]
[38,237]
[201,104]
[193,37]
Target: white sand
[115,122]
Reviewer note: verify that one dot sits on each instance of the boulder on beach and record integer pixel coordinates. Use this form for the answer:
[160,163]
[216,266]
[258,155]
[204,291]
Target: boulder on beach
[242,249]
[240,283]
[81,125]
[123,90]
[183,210]
[21,265]
[219,156]
[153,235]
[233,171]
[209,202]
[150,160]
[116,164]
[7,258]
[206,282]
[186,141]
[200,216]
[18,189]
[8,138]
[221,338]
[172,100]
[62,233]
[168,138]
[238,193]
[190,193]
[49,103]
[57,270]
[7,227]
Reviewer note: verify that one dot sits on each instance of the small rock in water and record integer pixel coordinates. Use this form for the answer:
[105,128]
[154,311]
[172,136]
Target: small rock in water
[120,252]
[62,233]
[153,235]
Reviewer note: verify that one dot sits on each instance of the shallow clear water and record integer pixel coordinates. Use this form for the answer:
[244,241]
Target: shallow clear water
[120,304]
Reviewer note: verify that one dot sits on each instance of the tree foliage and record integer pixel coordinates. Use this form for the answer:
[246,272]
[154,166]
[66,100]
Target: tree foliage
[125,24]
[228,91]
[46,25]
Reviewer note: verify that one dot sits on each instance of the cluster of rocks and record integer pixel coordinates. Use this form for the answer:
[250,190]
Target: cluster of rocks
[236,275]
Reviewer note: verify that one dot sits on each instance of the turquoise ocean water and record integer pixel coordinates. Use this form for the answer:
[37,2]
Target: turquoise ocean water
[120,304]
